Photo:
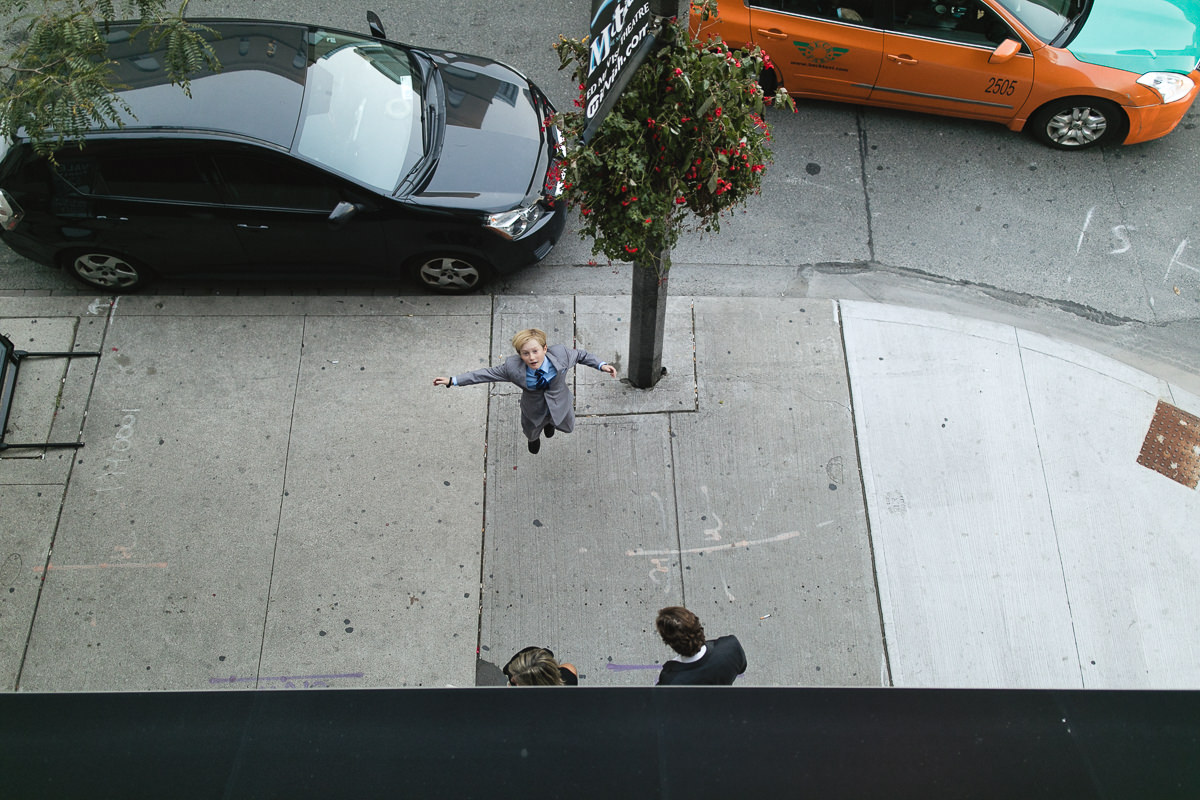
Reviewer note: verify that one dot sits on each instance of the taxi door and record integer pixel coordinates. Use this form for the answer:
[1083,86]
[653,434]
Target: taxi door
[822,49]
[955,57]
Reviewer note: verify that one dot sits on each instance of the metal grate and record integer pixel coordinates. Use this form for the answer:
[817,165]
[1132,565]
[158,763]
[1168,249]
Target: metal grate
[1172,445]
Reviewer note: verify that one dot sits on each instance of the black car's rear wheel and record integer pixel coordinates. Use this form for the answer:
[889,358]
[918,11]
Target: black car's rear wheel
[1074,123]
[105,270]
[449,274]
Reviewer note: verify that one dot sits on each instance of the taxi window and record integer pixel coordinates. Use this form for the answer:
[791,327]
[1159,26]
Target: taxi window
[855,12]
[962,21]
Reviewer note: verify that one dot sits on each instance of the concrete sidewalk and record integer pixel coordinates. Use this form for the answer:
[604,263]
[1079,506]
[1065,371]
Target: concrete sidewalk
[273,495]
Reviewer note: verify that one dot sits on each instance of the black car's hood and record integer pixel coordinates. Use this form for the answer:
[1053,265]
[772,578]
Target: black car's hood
[493,152]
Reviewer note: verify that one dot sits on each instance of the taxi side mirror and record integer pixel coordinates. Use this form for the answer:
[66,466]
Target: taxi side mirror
[1007,49]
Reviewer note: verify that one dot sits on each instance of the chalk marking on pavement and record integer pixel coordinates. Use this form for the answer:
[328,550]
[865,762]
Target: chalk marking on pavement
[119,565]
[711,534]
[730,546]
[1087,222]
[659,567]
[1121,232]
[1179,251]
[288,681]
[627,667]
[725,583]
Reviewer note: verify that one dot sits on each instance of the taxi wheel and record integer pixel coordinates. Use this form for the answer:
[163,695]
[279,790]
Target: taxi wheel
[449,274]
[1074,123]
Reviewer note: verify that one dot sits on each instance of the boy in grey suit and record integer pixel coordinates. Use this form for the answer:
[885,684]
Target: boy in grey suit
[541,372]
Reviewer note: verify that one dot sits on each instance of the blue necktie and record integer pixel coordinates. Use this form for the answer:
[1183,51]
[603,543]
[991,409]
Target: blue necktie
[540,378]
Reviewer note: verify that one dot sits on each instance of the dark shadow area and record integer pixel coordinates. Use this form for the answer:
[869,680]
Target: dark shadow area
[684,742]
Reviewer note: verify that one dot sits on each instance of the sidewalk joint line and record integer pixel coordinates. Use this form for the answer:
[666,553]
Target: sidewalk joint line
[1062,567]
[287,457]
[66,485]
[487,429]
[862,487]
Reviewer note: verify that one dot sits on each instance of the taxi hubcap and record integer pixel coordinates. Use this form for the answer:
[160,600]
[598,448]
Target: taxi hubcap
[1077,126]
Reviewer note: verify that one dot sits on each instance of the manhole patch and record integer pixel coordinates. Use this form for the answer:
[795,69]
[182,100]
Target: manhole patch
[1172,445]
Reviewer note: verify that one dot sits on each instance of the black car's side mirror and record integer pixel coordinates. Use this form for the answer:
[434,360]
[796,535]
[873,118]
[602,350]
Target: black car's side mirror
[342,212]
[375,25]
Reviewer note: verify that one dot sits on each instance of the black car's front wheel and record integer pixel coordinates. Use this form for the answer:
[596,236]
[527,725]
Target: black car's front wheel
[1074,123]
[105,270]
[449,274]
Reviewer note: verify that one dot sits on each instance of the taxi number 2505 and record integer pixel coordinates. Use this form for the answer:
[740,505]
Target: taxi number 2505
[1002,86]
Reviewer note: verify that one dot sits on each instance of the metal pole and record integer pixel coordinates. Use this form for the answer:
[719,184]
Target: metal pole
[647,319]
[666,8]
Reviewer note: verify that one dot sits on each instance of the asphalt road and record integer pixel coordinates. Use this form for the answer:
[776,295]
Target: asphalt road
[921,203]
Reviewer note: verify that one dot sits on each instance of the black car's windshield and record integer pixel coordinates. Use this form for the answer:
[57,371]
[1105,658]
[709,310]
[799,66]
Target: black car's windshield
[363,109]
[1046,18]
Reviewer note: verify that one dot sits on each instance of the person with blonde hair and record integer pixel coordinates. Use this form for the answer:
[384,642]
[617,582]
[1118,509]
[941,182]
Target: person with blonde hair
[541,371]
[536,666]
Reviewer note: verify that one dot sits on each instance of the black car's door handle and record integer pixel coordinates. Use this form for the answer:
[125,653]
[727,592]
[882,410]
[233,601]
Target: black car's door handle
[244,226]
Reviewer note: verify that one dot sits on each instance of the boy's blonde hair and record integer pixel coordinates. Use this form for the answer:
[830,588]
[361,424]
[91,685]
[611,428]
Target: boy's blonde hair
[522,337]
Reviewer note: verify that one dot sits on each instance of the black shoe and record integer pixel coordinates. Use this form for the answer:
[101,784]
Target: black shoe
[535,445]
[549,431]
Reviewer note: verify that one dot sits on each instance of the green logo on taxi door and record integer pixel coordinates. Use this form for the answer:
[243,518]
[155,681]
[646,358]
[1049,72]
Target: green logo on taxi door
[820,52]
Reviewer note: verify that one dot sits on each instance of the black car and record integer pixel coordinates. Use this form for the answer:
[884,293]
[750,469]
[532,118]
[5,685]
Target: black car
[311,152]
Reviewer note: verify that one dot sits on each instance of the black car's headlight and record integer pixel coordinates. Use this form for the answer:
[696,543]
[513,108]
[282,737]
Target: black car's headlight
[10,212]
[512,224]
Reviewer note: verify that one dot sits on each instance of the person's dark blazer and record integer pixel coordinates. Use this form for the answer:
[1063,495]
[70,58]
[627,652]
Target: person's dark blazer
[722,662]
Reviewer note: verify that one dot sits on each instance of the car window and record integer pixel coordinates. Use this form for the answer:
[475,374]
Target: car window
[268,182]
[1046,18]
[363,109]
[152,176]
[70,178]
[963,21]
[852,11]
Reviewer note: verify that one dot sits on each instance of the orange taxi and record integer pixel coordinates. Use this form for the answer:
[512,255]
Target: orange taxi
[1074,73]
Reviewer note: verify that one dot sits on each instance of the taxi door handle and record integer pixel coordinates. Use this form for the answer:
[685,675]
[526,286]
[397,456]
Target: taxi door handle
[902,59]
[773,33]
[246,227]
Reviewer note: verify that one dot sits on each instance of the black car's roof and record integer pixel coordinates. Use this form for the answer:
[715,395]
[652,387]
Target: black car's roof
[257,92]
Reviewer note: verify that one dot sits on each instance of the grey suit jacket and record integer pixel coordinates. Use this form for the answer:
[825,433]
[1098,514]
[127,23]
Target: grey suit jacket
[554,404]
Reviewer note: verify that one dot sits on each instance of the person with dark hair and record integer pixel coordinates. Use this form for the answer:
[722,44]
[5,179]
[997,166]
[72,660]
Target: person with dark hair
[536,666]
[699,662]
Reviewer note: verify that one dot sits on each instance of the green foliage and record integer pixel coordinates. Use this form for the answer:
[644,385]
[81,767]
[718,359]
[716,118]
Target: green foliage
[685,143]
[56,81]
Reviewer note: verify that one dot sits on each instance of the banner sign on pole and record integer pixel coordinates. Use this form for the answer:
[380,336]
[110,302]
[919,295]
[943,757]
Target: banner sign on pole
[620,41]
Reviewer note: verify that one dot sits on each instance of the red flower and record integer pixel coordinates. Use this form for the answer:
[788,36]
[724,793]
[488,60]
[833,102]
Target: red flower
[630,248]
[680,201]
